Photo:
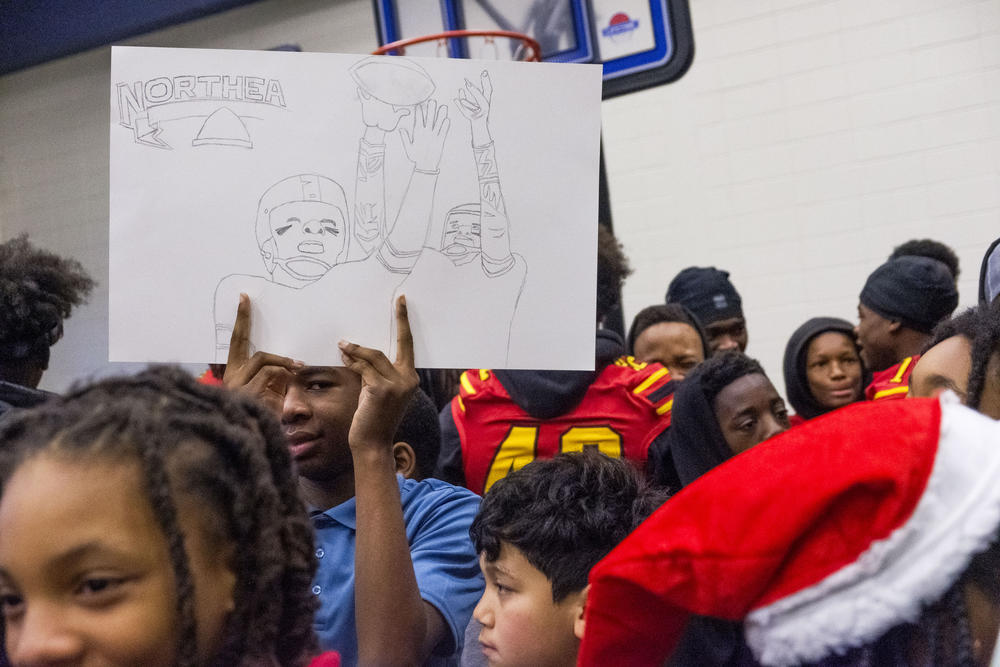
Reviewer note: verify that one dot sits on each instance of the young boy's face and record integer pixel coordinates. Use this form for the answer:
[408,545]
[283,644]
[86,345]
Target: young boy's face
[521,623]
[319,406]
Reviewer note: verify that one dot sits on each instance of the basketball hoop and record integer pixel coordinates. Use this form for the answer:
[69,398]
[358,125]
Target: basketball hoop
[528,49]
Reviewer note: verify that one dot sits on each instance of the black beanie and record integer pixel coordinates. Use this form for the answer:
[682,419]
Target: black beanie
[707,292]
[919,292]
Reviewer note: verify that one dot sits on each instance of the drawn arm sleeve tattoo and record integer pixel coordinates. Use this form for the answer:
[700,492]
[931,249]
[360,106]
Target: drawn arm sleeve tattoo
[494,225]
[369,196]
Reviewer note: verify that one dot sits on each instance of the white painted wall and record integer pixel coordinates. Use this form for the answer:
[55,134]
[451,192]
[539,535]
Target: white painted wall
[808,138]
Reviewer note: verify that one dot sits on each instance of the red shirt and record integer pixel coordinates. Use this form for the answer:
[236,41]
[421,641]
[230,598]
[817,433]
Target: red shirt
[209,378]
[328,659]
[622,412]
[893,382]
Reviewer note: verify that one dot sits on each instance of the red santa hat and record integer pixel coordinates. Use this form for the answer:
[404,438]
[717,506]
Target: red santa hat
[821,539]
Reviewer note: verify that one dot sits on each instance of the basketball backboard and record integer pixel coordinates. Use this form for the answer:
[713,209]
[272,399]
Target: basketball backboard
[641,43]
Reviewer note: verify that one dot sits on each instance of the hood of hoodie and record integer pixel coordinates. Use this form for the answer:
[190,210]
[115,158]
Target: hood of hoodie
[989,274]
[18,396]
[796,384]
[548,394]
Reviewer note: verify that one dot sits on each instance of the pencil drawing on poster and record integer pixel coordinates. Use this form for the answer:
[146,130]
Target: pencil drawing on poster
[317,248]
[216,108]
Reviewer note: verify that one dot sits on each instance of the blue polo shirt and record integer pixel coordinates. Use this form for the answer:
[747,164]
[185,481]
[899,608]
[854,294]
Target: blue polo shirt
[437,516]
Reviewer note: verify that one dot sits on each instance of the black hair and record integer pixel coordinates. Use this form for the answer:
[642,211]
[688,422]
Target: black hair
[38,290]
[670,312]
[722,370]
[420,429]
[929,248]
[220,447]
[965,324]
[612,270]
[985,344]
[564,514]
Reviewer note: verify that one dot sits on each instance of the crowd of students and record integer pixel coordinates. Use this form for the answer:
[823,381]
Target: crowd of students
[665,508]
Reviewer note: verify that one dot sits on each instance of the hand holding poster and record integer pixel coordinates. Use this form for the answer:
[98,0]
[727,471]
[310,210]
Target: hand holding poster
[324,185]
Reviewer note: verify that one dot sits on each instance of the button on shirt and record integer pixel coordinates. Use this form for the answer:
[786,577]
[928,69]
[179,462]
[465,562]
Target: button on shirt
[437,517]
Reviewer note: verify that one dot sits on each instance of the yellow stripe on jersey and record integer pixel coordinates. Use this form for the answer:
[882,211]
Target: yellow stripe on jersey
[484,374]
[461,405]
[648,382]
[665,407]
[467,383]
[890,392]
[902,369]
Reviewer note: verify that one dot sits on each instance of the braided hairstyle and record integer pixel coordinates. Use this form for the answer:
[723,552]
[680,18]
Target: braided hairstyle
[230,454]
[38,290]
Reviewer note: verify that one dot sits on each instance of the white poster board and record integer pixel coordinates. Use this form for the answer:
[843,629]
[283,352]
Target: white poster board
[322,185]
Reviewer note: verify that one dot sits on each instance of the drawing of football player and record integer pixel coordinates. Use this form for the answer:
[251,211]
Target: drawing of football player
[352,297]
[471,257]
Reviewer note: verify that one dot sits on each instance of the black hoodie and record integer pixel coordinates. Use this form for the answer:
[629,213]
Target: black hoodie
[542,394]
[18,396]
[796,383]
[989,274]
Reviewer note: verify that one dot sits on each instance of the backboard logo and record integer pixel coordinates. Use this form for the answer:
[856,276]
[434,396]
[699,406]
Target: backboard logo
[620,24]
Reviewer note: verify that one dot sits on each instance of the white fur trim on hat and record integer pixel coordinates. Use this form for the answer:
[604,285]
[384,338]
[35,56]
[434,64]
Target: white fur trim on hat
[893,580]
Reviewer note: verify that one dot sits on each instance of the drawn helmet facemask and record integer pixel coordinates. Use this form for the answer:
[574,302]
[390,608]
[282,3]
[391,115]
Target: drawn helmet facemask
[462,238]
[302,226]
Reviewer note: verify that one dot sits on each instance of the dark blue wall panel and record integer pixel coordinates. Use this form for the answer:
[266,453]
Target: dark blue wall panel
[34,31]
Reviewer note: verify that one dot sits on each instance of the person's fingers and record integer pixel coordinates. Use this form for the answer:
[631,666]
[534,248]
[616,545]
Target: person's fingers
[404,336]
[401,113]
[259,361]
[239,342]
[407,139]
[273,379]
[269,386]
[369,375]
[375,358]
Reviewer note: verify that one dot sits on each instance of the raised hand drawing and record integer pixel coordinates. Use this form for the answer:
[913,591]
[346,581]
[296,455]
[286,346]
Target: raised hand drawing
[471,253]
[389,89]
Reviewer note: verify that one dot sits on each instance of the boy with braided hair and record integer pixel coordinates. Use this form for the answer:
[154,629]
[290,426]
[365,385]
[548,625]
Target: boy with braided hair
[152,520]
[38,290]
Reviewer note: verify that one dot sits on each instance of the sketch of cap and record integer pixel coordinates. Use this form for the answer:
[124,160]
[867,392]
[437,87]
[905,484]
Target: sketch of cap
[393,80]
[223,128]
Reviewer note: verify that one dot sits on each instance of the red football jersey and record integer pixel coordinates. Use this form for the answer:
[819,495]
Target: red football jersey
[622,412]
[893,382]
